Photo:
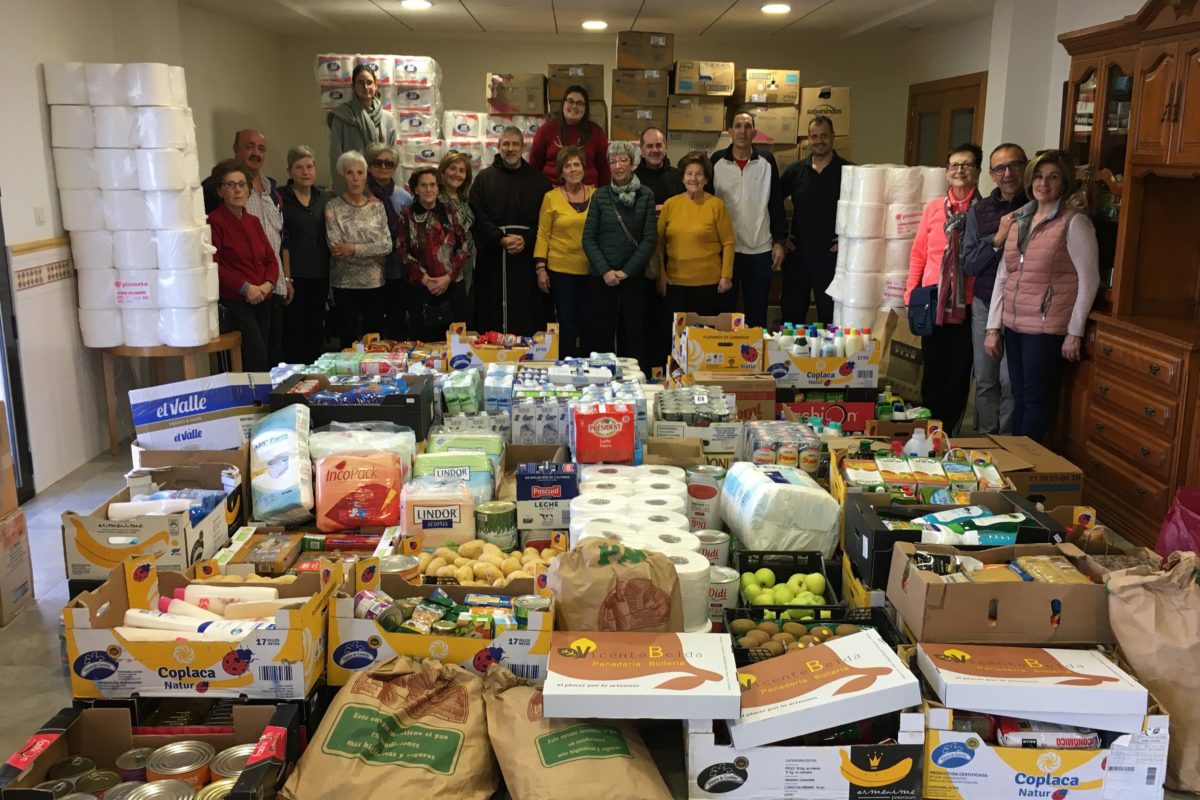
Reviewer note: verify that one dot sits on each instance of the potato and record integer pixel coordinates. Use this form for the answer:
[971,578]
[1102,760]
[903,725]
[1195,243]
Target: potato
[495,559]
[446,571]
[489,547]
[471,549]
[433,566]
[510,565]
[463,574]
[530,551]
[512,576]
[740,627]
[548,554]
[446,553]
[481,568]
[423,561]
[462,562]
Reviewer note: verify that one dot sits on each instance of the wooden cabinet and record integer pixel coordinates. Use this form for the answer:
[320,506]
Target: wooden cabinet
[1154,79]
[1185,116]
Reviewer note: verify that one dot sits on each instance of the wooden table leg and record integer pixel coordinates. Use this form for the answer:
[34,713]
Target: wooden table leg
[235,358]
[189,367]
[110,398]
[160,370]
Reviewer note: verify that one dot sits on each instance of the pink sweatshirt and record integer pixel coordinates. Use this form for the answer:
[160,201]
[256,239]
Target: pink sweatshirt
[925,262]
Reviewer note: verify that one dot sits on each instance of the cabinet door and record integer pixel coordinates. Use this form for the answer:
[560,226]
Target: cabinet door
[1154,85]
[1081,110]
[1185,115]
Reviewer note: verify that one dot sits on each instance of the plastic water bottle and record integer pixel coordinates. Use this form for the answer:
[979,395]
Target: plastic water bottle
[917,445]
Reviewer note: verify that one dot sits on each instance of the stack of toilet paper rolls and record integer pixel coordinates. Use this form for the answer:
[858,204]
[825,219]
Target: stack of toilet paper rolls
[128,176]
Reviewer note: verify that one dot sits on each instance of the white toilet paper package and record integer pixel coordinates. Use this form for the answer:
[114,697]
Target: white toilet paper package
[66,84]
[101,327]
[183,327]
[463,124]
[97,288]
[147,84]
[160,169]
[179,95]
[773,507]
[182,288]
[162,127]
[415,71]
[426,100]
[280,469]
[116,126]
[74,168]
[116,168]
[105,86]
[904,185]
[139,327]
[92,250]
[137,288]
[864,220]
[212,285]
[82,209]
[181,249]
[214,321]
[135,249]
[124,210]
[357,437]
[72,126]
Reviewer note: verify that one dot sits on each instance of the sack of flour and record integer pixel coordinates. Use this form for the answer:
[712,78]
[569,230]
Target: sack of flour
[602,585]
[772,507]
[550,759]
[280,471]
[412,728]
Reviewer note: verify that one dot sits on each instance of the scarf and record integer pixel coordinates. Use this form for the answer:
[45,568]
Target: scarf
[952,282]
[628,193]
[384,192]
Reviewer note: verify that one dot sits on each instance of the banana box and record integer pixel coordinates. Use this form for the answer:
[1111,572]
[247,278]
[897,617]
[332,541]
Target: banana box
[961,766]
[356,644]
[282,663]
[723,343]
[464,353]
[93,544]
[716,768]
[859,371]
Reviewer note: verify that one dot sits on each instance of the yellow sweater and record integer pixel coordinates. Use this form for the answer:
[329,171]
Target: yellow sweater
[560,234]
[696,237]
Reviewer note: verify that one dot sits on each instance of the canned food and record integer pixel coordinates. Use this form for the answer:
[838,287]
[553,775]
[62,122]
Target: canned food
[123,791]
[182,761]
[408,567]
[97,781]
[496,522]
[80,796]
[443,627]
[131,765]
[58,788]
[714,545]
[722,594]
[704,493]
[71,767]
[217,791]
[163,790]
[525,603]
[370,604]
[393,617]
[231,762]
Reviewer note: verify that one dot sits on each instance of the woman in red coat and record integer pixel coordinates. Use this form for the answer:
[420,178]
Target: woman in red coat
[571,125]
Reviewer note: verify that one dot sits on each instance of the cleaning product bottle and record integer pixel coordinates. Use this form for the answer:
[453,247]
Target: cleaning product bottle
[814,342]
[854,343]
[828,345]
[786,336]
[799,347]
[917,445]
[839,344]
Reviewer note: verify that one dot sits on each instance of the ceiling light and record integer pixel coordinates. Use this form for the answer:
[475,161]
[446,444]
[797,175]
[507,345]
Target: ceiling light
[776,8]
[594,25]
[415,5]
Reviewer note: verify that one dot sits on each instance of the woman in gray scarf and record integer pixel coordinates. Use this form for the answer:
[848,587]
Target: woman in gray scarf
[359,121]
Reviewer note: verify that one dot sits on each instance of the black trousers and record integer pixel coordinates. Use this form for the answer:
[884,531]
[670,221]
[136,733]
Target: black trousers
[419,297]
[304,321]
[275,343]
[253,322]
[804,276]
[621,306]
[396,304]
[695,299]
[358,311]
[946,382]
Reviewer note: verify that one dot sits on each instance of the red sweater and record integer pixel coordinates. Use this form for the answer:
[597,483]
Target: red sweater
[925,260]
[244,254]
[550,138]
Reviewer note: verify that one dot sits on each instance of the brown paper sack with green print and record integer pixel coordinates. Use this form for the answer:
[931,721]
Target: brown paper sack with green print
[551,759]
[411,726]
[602,585]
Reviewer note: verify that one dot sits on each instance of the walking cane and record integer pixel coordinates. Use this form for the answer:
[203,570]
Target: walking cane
[504,274]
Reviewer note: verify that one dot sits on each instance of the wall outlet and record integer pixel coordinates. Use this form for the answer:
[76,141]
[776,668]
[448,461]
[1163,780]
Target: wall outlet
[39,215]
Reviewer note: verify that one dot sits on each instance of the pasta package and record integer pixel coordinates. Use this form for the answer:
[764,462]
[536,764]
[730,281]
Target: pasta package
[358,490]
[1051,569]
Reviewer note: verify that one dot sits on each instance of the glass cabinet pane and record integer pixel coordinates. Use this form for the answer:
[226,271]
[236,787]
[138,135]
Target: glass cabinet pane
[1082,120]
[1114,134]
[927,136]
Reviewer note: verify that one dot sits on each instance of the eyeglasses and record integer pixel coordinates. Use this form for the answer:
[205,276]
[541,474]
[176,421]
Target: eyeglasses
[235,184]
[571,102]
[960,167]
[383,163]
[1012,166]
[620,160]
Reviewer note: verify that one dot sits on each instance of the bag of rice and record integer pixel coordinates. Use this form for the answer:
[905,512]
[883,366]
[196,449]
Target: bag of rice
[602,585]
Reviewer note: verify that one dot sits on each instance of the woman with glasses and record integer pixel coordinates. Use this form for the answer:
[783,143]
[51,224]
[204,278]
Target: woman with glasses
[359,121]
[434,246]
[560,263]
[572,125]
[937,260]
[619,237]
[455,176]
[246,265]
[305,259]
[357,227]
[381,170]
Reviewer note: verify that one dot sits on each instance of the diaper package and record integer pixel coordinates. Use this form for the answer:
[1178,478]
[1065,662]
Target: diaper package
[442,441]
[280,471]
[774,507]
[363,437]
[473,469]
[358,490]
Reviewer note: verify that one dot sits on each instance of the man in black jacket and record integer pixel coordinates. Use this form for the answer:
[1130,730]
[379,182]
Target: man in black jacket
[655,171]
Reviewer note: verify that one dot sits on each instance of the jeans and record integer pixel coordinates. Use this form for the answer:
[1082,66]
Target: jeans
[570,294]
[946,382]
[304,320]
[359,311]
[253,322]
[620,306]
[752,275]
[803,276]
[993,396]
[1035,366]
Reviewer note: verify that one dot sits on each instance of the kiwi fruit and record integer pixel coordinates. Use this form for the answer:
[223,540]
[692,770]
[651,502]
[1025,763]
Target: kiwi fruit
[754,638]
[795,629]
[809,640]
[794,646]
[784,637]
[833,638]
[822,631]
[774,648]
[845,629]
[769,628]
[741,626]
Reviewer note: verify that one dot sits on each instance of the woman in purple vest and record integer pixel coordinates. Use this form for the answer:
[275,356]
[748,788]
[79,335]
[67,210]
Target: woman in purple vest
[1044,292]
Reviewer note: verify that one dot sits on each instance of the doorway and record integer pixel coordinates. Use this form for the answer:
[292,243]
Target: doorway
[11,390]
[941,115]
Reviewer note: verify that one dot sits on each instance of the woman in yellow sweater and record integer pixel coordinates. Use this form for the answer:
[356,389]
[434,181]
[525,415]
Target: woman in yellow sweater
[695,240]
[558,257]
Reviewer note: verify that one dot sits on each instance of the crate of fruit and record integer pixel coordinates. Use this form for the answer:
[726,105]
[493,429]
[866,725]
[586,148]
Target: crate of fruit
[759,634]
[794,585]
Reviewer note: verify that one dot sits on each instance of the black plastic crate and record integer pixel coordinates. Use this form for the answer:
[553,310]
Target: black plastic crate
[875,618]
[785,564]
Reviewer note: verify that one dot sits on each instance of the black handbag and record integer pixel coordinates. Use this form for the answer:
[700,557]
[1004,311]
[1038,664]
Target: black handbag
[922,310]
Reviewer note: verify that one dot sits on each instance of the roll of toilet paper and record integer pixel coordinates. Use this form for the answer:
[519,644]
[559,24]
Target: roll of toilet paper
[839,222]
[595,528]
[598,503]
[162,127]
[140,327]
[74,168]
[864,220]
[97,289]
[66,84]
[621,486]
[135,249]
[214,321]
[862,289]
[82,209]
[660,472]
[591,472]
[170,209]
[670,539]
[92,250]
[116,126]
[840,264]
[198,214]
[661,486]
[862,255]
[868,184]
[334,67]
[72,126]
[381,66]
[191,129]
[579,524]
[834,290]
[893,289]
[182,248]
[161,169]
[660,519]
[125,211]
[105,86]
[137,288]
[692,569]
[904,185]
[463,124]
[101,327]
[896,254]
[933,183]
[182,288]
[655,503]
[848,182]
[183,327]
[212,284]
[858,316]
[148,85]
[191,167]
[902,220]
[178,86]
[333,95]
[116,169]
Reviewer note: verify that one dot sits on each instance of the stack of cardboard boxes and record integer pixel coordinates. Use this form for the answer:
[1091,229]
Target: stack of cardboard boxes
[772,96]
[696,109]
[641,83]
[560,77]
[827,101]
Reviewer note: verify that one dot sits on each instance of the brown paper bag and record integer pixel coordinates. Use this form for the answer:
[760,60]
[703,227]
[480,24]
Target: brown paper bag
[1156,618]
[415,726]
[551,759]
[602,585]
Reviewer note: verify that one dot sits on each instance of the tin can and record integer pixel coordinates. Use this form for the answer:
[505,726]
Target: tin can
[444,627]
[131,765]
[217,791]
[528,602]
[80,796]
[409,567]
[704,495]
[231,762]
[70,768]
[496,522]
[370,604]
[123,791]
[97,782]
[58,788]
[714,545]
[181,761]
[393,617]
[163,790]
[722,594]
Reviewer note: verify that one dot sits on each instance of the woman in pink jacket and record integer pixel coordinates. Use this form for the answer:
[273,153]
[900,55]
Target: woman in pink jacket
[936,260]
[1044,291]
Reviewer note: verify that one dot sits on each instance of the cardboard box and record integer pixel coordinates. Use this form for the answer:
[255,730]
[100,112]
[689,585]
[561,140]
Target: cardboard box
[826,101]
[515,92]
[855,592]
[854,417]
[645,50]
[680,143]
[93,544]
[628,122]
[758,86]
[283,663]
[859,371]
[754,393]
[213,413]
[16,568]
[691,113]
[640,87]
[597,112]
[892,429]
[804,691]
[561,76]
[544,495]
[774,124]
[719,442]
[1026,613]
[784,154]
[465,353]
[712,78]
[159,459]
[356,644]
[281,558]
[8,474]
[413,408]
[626,675]
[723,343]
[844,145]
[1036,472]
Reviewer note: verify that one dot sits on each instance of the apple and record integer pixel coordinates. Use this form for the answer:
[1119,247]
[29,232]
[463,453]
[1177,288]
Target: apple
[763,599]
[751,591]
[765,577]
[783,594]
[815,583]
[748,578]
[826,615]
[806,598]
[768,615]
[796,582]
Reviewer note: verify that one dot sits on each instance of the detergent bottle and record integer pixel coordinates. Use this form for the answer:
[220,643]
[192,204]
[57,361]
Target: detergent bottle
[918,444]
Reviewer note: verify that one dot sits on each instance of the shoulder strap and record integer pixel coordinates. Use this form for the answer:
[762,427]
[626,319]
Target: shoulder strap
[621,220]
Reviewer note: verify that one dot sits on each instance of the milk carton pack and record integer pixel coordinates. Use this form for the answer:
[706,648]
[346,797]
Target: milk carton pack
[213,413]
[544,493]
